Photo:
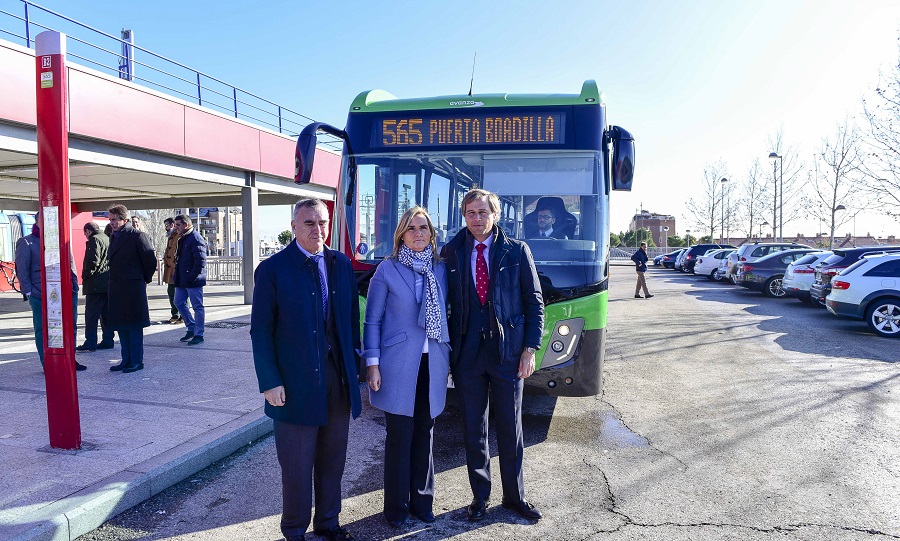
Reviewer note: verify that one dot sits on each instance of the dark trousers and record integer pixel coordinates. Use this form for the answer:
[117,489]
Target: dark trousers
[314,453]
[479,376]
[37,320]
[171,292]
[96,310]
[408,461]
[132,342]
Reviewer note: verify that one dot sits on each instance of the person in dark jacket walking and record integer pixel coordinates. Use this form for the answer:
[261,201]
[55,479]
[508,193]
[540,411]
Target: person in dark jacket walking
[189,278]
[132,263]
[95,284]
[640,261]
[304,328]
[28,269]
[496,320]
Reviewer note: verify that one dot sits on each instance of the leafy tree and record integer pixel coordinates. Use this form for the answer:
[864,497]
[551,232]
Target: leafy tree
[614,240]
[285,237]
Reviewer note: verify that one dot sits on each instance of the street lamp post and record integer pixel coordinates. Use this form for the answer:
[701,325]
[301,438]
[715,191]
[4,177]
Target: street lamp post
[724,181]
[764,224]
[833,212]
[688,239]
[778,214]
[666,236]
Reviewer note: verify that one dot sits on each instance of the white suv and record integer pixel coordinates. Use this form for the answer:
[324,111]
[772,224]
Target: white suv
[869,289]
[751,252]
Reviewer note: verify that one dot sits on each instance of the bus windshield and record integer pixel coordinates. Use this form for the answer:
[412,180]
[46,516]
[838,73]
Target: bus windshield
[548,200]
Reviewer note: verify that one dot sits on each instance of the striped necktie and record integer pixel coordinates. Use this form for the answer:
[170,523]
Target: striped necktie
[323,284]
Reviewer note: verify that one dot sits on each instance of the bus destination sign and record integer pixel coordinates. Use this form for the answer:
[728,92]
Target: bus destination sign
[470,129]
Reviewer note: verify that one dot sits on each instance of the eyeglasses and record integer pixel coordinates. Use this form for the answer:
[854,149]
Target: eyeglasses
[545,217]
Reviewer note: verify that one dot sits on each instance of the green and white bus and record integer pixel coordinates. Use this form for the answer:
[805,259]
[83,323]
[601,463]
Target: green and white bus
[538,153]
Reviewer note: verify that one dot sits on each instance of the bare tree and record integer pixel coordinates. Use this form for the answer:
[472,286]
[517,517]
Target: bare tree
[154,227]
[705,210]
[837,188]
[788,172]
[752,199]
[883,164]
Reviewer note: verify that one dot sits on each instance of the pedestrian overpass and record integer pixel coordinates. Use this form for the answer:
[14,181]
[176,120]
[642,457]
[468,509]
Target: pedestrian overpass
[147,149]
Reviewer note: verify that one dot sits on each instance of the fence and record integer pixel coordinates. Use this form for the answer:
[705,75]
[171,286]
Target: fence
[157,72]
[218,269]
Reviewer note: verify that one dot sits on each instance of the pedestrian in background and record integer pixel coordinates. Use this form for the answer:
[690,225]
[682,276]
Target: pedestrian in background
[189,278]
[28,269]
[95,284]
[169,257]
[304,328]
[640,261]
[496,322]
[407,355]
[132,263]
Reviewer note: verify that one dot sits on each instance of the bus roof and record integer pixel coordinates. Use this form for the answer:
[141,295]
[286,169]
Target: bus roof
[379,101]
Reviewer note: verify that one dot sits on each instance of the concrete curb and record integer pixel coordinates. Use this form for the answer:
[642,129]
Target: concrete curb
[85,510]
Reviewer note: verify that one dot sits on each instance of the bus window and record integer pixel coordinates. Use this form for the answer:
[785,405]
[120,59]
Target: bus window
[438,188]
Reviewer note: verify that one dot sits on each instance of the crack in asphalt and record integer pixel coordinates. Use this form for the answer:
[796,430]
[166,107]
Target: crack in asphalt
[649,443]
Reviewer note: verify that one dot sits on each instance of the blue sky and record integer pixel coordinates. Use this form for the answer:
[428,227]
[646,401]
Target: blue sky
[695,82]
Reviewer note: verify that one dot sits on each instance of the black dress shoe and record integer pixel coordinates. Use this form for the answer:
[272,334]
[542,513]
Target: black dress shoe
[426,517]
[524,509]
[117,367]
[85,347]
[133,368]
[80,367]
[638,297]
[399,523]
[337,533]
[187,336]
[105,345]
[477,509]
[649,296]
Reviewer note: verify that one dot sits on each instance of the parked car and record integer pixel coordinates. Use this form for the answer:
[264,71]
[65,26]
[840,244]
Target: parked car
[869,289]
[800,274]
[754,251]
[708,263]
[766,273]
[668,260]
[842,258]
[679,260]
[690,257]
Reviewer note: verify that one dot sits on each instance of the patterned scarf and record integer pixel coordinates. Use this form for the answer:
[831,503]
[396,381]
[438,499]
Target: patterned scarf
[429,312]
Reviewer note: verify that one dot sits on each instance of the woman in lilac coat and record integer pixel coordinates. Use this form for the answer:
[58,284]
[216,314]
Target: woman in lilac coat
[408,359]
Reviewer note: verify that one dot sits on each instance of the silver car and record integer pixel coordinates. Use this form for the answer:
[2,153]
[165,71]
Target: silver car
[753,251]
[800,275]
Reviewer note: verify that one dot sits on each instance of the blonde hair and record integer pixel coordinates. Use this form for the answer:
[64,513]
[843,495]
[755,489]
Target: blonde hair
[403,224]
[478,193]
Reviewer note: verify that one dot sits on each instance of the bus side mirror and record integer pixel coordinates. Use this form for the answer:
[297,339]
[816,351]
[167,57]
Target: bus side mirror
[305,154]
[623,158]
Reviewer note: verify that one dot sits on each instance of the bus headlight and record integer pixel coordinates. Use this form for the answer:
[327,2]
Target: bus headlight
[563,342]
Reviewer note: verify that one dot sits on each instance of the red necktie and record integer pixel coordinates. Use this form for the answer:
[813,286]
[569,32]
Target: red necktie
[481,274]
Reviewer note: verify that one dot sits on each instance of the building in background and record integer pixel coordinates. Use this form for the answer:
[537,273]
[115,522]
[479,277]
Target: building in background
[221,227]
[656,223]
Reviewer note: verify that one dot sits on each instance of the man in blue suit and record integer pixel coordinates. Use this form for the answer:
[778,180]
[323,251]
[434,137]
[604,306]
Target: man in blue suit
[496,321]
[305,334]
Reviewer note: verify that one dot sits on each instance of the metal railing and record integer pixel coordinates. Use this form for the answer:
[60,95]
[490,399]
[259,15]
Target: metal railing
[163,74]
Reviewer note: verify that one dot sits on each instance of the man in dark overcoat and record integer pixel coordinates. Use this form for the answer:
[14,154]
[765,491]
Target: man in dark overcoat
[132,263]
[496,320]
[95,284]
[305,334]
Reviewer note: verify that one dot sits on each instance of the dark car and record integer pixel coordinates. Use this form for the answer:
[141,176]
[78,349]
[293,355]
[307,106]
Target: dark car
[766,273]
[668,260]
[690,258]
[835,263]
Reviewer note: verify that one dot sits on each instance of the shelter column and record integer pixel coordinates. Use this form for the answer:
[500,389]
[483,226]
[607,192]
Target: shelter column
[63,417]
[250,212]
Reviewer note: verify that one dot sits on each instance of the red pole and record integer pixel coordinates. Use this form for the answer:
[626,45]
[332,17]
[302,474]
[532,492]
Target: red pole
[53,186]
